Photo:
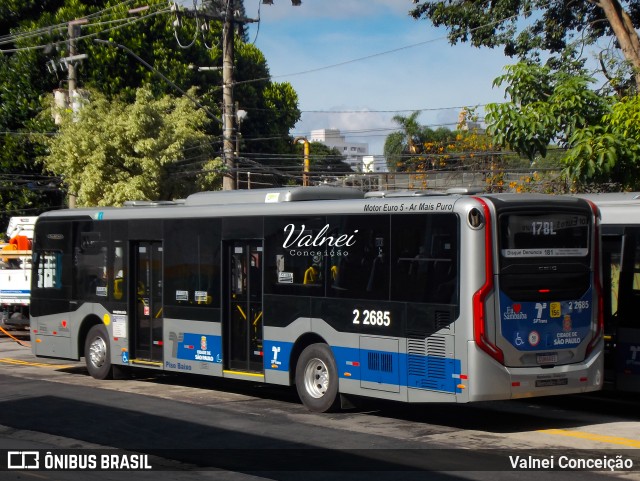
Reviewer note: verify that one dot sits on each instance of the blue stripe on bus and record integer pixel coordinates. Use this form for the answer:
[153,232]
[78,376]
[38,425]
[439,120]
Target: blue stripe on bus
[393,368]
[422,372]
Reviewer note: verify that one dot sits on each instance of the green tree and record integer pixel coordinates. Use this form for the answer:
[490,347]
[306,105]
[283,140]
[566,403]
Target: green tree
[38,41]
[543,107]
[113,151]
[599,134]
[398,146]
[549,26]
[24,187]
[14,11]
[609,152]
[322,158]
[405,150]
[272,106]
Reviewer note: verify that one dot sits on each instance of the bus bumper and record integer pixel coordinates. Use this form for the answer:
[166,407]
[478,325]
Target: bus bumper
[500,382]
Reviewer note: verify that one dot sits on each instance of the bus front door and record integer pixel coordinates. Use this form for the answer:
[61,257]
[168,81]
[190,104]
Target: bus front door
[243,326]
[148,299]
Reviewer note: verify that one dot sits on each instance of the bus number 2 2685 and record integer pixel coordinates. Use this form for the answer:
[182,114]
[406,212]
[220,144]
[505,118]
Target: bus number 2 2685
[372,317]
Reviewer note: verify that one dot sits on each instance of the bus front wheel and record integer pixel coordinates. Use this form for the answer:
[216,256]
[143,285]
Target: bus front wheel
[317,378]
[97,353]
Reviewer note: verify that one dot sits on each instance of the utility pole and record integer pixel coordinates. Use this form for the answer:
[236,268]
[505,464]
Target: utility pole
[74,30]
[228,114]
[225,11]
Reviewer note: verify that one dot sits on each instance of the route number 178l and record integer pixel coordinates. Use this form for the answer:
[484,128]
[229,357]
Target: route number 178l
[542,228]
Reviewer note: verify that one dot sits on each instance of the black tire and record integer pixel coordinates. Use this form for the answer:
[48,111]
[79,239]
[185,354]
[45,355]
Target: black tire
[317,378]
[97,353]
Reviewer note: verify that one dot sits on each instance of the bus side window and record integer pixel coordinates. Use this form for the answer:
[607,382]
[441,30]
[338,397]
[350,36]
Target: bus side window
[192,267]
[424,259]
[118,271]
[360,269]
[444,269]
[90,262]
[294,266]
[48,270]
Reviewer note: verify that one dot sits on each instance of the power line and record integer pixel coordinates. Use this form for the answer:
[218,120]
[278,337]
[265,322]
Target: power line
[44,30]
[126,22]
[394,50]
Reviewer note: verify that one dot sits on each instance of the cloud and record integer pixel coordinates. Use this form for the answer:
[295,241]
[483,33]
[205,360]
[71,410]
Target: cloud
[356,63]
[357,125]
[353,122]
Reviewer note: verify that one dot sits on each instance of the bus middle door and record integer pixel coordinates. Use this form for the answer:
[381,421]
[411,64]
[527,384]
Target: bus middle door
[148,299]
[244,306]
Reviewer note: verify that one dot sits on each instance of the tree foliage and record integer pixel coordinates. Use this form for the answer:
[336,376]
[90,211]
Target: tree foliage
[610,151]
[525,28]
[113,151]
[324,159]
[406,150]
[600,134]
[544,107]
[30,69]
[24,188]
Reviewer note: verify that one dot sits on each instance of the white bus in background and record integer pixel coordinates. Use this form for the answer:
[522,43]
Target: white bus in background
[15,272]
[620,234]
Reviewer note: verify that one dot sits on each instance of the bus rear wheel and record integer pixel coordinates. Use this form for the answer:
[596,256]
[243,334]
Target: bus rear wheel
[317,378]
[97,353]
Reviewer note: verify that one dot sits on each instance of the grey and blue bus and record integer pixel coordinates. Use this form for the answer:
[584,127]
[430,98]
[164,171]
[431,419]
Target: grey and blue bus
[407,296]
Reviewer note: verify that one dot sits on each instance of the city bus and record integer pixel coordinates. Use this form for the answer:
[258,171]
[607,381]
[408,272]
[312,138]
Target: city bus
[620,227]
[415,297]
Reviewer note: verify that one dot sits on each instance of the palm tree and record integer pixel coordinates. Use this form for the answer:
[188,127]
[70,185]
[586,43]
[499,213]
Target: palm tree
[399,145]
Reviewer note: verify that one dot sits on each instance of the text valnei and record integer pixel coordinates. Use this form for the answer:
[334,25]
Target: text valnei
[616,463]
[301,237]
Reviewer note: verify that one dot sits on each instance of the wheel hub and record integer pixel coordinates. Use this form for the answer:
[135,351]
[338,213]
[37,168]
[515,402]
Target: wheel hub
[316,378]
[98,352]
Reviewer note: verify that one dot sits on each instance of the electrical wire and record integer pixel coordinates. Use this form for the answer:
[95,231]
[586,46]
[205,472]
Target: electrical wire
[130,21]
[43,30]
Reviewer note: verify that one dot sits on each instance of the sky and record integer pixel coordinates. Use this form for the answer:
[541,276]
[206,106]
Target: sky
[356,63]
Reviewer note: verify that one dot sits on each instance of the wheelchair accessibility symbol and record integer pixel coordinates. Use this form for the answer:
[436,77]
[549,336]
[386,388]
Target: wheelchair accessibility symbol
[519,341]
[125,357]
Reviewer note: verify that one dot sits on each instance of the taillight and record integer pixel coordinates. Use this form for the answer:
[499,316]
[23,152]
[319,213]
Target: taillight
[480,317]
[598,331]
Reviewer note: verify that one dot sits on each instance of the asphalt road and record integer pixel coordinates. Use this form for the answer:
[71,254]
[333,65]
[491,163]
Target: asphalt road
[192,427]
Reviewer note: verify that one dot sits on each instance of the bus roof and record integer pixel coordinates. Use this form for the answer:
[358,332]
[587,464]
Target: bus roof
[290,194]
[617,207]
[296,201]
[612,198]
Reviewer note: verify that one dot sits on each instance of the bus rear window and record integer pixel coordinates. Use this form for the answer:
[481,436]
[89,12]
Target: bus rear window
[544,235]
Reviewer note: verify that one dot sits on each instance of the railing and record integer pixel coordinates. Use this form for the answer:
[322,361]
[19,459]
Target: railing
[489,180]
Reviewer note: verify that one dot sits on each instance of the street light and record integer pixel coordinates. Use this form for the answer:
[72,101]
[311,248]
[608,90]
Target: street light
[240,116]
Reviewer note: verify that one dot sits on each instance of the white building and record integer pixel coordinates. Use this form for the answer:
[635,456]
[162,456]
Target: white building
[374,163]
[354,152]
